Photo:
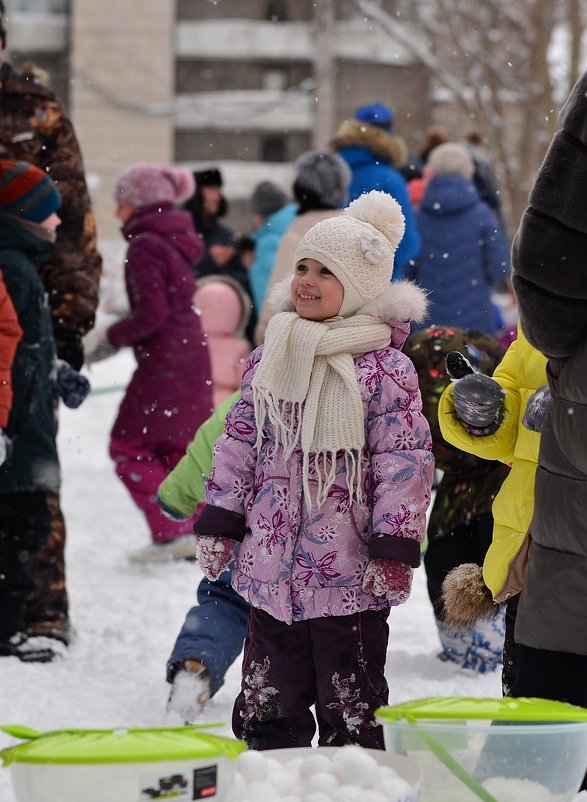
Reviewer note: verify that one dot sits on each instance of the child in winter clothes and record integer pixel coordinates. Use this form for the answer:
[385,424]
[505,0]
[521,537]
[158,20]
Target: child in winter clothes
[485,417]
[272,215]
[214,631]
[324,476]
[29,475]
[463,253]
[224,313]
[460,524]
[170,392]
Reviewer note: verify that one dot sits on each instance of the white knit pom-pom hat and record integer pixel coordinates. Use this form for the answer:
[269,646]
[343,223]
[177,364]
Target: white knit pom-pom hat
[358,246]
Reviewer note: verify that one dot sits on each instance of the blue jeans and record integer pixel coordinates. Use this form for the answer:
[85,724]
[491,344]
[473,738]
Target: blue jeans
[214,630]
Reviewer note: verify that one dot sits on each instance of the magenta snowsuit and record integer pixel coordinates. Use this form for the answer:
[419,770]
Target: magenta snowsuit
[170,393]
[298,565]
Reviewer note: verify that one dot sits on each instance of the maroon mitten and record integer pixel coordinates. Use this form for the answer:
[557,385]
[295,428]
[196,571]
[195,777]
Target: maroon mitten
[389,579]
[214,554]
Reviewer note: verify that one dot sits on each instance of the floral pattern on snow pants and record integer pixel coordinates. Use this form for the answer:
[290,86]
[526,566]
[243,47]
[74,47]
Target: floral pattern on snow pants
[336,663]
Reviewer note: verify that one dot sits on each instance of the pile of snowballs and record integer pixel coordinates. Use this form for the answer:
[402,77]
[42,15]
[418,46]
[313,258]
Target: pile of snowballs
[347,774]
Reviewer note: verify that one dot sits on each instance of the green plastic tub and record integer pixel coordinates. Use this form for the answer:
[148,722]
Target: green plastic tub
[494,750]
[120,765]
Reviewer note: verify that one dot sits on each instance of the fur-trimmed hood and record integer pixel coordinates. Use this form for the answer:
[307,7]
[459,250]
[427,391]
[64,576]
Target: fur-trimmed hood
[401,302]
[355,134]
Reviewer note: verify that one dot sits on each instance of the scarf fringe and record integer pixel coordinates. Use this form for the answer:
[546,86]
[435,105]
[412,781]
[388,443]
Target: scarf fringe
[325,468]
[284,416]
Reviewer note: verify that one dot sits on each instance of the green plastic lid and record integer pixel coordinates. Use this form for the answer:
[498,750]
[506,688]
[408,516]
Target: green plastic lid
[463,707]
[119,745]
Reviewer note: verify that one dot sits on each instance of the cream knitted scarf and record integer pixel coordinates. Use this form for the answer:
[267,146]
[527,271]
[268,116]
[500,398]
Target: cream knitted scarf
[306,387]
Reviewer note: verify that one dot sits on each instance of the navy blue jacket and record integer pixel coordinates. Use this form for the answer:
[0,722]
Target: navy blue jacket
[463,255]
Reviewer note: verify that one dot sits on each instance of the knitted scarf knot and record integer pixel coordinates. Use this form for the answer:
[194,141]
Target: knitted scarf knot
[306,387]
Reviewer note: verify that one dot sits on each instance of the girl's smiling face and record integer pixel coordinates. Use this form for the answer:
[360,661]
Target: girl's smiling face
[315,291]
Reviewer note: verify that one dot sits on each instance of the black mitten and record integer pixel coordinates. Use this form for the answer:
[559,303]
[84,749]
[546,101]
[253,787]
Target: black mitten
[478,399]
[537,408]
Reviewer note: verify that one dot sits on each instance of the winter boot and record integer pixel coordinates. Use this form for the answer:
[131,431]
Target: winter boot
[190,691]
[29,650]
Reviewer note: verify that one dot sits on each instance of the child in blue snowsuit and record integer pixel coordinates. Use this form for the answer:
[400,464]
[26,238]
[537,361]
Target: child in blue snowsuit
[214,630]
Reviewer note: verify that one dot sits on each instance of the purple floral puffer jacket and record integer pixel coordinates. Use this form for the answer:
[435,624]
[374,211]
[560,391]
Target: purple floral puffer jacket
[296,564]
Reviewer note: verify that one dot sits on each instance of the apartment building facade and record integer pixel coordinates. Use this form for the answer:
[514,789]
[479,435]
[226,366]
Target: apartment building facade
[246,85]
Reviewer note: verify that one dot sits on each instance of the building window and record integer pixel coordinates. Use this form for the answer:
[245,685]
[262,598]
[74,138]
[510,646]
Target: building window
[277,11]
[274,80]
[273,149]
[40,6]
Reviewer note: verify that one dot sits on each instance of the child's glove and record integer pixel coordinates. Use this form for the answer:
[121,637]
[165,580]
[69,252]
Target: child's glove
[537,408]
[214,555]
[388,579]
[71,386]
[5,447]
[478,399]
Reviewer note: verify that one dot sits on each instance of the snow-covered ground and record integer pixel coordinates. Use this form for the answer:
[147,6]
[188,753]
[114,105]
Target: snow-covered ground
[126,617]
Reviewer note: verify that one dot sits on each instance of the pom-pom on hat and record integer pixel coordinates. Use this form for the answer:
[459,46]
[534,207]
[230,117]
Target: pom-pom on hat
[451,159]
[146,183]
[27,191]
[375,114]
[358,246]
[325,175]
[267,198]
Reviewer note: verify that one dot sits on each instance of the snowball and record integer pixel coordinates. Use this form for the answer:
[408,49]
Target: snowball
[380,796]
[293,765]
[392,788]
[315,764]
[238,787]
[356,766]
[349,793]
[316,796]
[284,781]
[273,765]
[252,765]
[322,782]
[261,791]
[390,784]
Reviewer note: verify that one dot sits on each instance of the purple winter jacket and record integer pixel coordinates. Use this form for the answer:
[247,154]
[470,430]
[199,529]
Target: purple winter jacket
[296,564]
[170,393]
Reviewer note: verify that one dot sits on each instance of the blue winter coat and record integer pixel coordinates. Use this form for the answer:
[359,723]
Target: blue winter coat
[267,238]
[463,255]
[373,172]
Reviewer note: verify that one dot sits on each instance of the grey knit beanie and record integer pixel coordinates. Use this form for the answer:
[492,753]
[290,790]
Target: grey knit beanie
[451,159]
[326,175]
[267,198]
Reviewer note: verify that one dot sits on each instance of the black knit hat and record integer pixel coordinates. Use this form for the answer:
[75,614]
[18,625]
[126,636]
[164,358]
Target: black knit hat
[208,178]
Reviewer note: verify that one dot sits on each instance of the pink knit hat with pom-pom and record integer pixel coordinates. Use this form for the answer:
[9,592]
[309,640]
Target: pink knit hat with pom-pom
[146,183]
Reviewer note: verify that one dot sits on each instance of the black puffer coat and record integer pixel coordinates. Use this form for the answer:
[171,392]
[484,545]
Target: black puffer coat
[550,279]
[33,466]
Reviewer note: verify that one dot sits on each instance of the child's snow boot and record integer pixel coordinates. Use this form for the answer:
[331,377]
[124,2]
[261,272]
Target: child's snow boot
[190,691]
[29,650]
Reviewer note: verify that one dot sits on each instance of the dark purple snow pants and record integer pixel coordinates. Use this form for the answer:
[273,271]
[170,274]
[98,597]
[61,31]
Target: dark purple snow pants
[335,663]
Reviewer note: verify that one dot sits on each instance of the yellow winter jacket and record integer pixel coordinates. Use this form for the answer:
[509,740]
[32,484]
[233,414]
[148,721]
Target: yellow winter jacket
[521,372]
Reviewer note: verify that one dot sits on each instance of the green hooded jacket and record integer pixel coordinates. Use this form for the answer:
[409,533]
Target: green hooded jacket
[181,492]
